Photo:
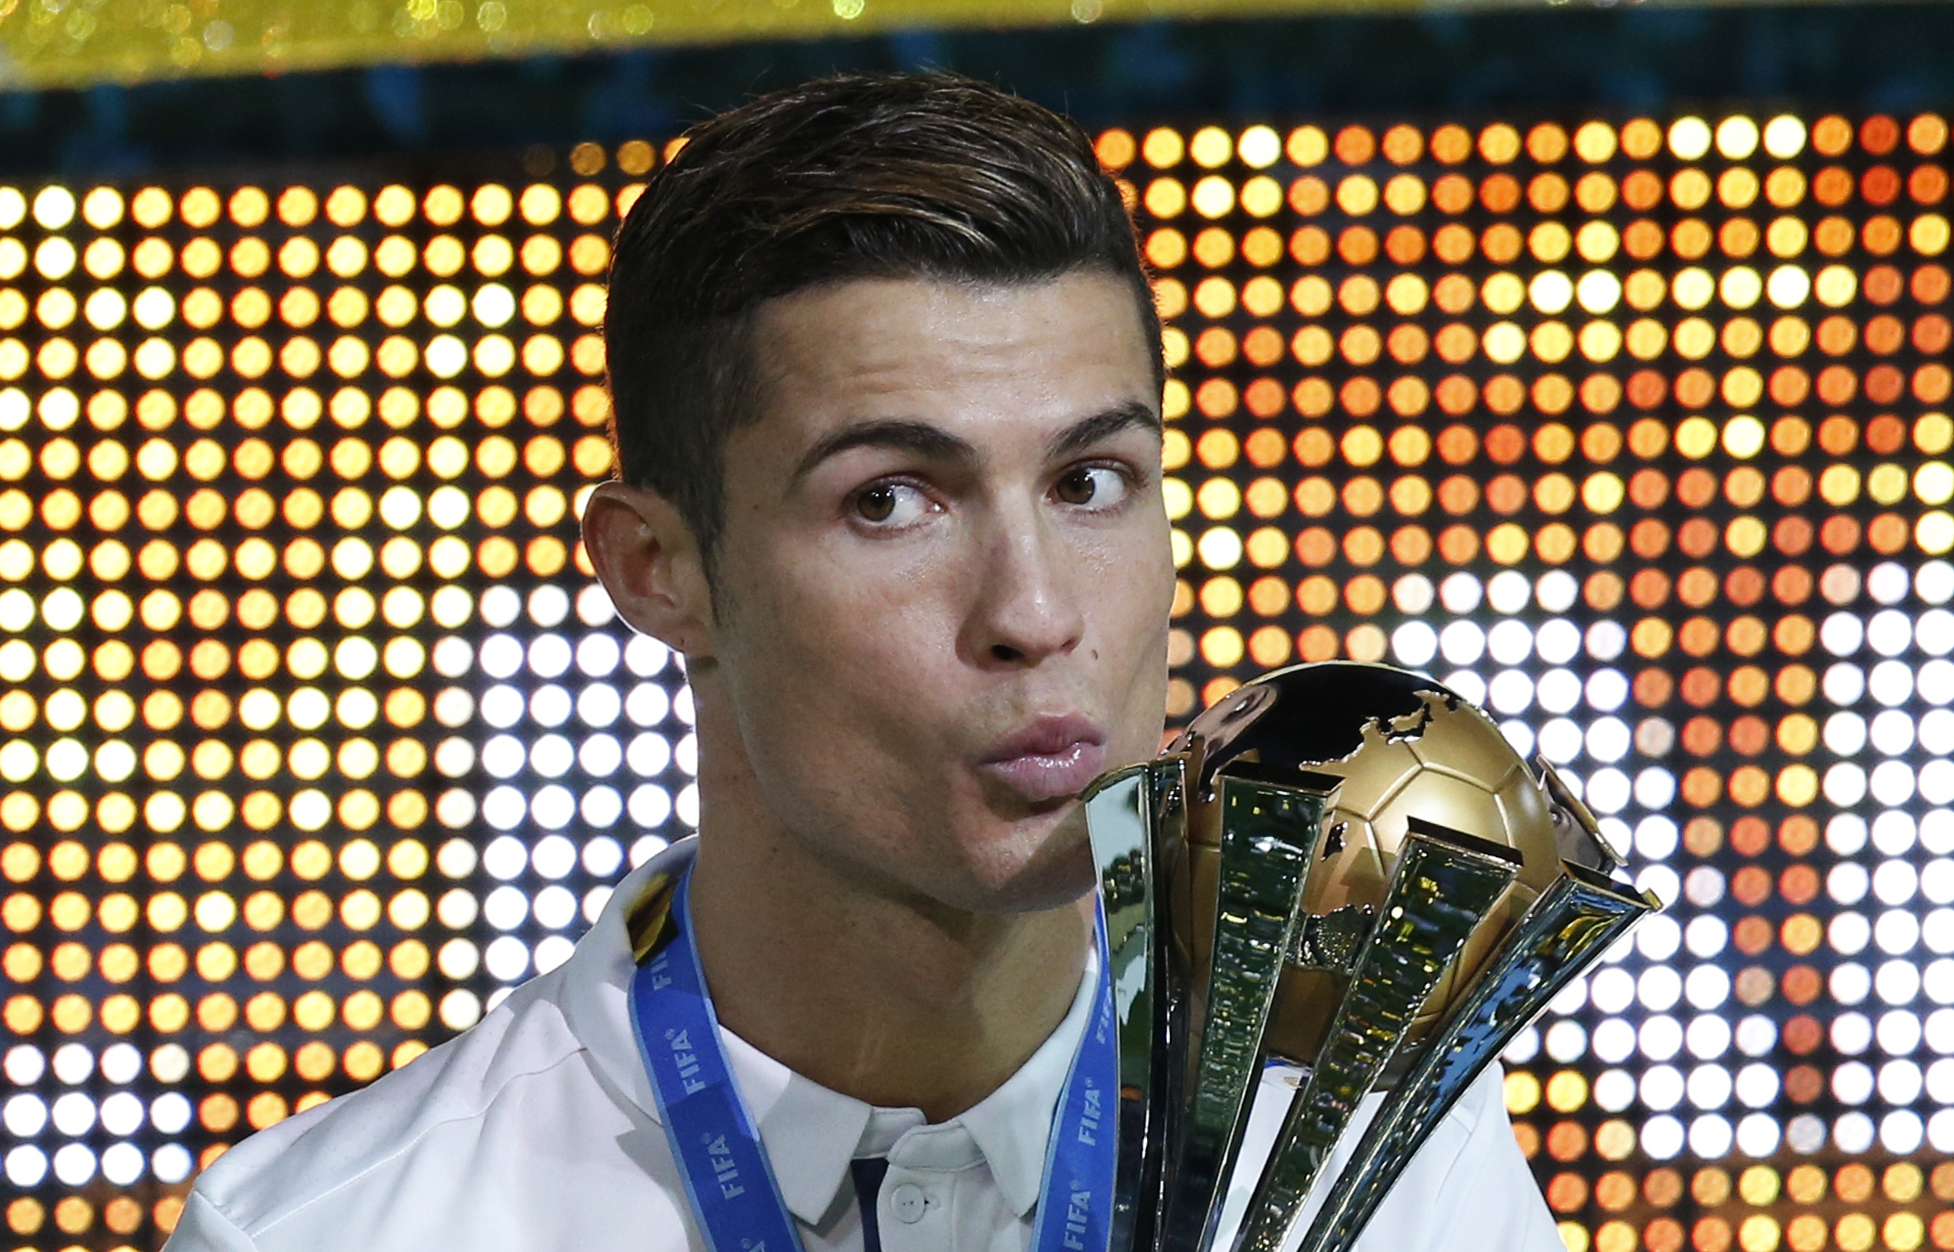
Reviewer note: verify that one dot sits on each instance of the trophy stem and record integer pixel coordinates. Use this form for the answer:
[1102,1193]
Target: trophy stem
[1268,844]
[1136,818]
[1444,885]
[1561,936]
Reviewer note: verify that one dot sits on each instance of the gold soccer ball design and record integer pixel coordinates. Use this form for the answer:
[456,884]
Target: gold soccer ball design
[1404,746]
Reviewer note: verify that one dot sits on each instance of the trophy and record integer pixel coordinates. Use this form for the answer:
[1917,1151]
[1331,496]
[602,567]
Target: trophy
[1347,867]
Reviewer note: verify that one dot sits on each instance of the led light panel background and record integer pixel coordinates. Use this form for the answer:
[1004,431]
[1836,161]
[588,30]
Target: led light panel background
[316,735]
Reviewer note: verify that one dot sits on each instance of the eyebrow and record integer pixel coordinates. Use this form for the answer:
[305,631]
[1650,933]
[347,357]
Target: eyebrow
[930,443]
[897,435]
[1103,426]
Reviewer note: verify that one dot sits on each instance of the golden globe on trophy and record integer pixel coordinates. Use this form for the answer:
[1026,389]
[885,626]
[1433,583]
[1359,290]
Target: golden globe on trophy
[1347,867]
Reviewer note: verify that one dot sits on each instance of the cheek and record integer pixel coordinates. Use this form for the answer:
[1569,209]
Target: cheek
[1131,600]
[1131,590]
[830,651]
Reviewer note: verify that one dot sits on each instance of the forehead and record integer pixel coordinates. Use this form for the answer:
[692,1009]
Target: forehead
[921,347]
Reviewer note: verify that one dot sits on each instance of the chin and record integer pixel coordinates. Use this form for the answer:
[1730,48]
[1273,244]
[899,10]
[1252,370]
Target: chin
[1031,865]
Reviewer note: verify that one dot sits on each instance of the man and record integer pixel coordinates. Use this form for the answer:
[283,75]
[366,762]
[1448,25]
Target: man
[887,384]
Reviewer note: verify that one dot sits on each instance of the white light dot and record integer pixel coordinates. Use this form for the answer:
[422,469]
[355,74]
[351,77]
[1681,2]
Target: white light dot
[552,756]
[54,207]
[500,605]
[505,858]
[25,1064]
[1414,644]
[1467,685]
[1757,1135]
[1660,1038]
[549,655]
[460,1009]
[503,706]
[555,907]
[507,959]
[1557,590]
[602,856]
[122,1163]
[122,1114]
[1737,137]
[1662,1137]
[1509,592]
[74,1164]
[650,806]
[506,908]
[1710,1137]
[26,1166]
[73,1063]
[1853,1133]
[601,806]
[598,655]
[1784,137]
[554,856]
[645,656]
[552,951]
[459,959]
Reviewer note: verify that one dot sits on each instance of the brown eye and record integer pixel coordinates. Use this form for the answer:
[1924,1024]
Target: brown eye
[891,506]
[877,503]
[1077,487]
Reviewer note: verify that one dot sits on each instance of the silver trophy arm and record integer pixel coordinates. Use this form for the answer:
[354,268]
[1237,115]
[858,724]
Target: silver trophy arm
[1444,885]
[1568,929]
[1130,815]
[1270,831]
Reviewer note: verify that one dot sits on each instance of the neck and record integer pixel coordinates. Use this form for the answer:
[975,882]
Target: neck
[899,1002]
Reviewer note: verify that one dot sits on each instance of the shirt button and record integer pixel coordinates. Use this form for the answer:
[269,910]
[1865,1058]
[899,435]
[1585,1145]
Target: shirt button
[907,1201]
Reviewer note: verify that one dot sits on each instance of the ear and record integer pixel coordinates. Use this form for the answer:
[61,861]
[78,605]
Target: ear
[649,561]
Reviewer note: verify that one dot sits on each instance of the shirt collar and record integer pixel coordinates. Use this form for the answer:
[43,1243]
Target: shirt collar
[810,1132]
[595,989]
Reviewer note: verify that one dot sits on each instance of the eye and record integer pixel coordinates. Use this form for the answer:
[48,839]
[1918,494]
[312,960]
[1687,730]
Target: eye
[1099,485]
[890,504]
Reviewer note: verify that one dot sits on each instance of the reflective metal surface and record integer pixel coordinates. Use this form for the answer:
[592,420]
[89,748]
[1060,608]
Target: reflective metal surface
[1268,842]
[1444,885]
[1137,820]
[1332,942]
[1344,865]
[1405,747]
[1567,929]
[1575,831]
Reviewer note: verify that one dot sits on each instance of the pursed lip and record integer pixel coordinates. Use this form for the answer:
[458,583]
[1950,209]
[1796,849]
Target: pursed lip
[1049,758]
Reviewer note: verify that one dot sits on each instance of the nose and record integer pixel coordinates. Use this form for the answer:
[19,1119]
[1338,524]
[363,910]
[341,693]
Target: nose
[1026,608]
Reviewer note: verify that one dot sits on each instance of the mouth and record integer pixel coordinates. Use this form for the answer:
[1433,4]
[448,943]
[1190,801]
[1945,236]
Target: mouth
[1051,758]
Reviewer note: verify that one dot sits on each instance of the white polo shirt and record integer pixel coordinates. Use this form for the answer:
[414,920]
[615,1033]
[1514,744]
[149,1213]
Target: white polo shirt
[537,1130]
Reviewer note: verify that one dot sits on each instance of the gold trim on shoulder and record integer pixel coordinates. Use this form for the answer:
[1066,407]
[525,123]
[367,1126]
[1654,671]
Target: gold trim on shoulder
[648,919]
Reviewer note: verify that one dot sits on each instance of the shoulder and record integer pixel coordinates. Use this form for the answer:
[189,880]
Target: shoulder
[532,1131]
[443,1141]
[1470,1187]
[1466,1189]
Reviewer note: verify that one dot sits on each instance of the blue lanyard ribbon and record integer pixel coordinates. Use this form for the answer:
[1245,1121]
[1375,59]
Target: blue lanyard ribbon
[734,1195]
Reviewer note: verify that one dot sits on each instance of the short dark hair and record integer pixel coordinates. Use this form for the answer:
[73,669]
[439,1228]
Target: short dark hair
[893,175]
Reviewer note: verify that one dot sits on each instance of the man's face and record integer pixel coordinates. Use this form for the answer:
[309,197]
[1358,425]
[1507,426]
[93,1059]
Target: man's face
[943,586]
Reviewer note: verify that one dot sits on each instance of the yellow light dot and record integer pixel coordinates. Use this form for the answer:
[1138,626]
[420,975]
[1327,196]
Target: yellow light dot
[1214,196]
[1162,148]
[1567,1091]
[1522,1093]
[1211,147]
